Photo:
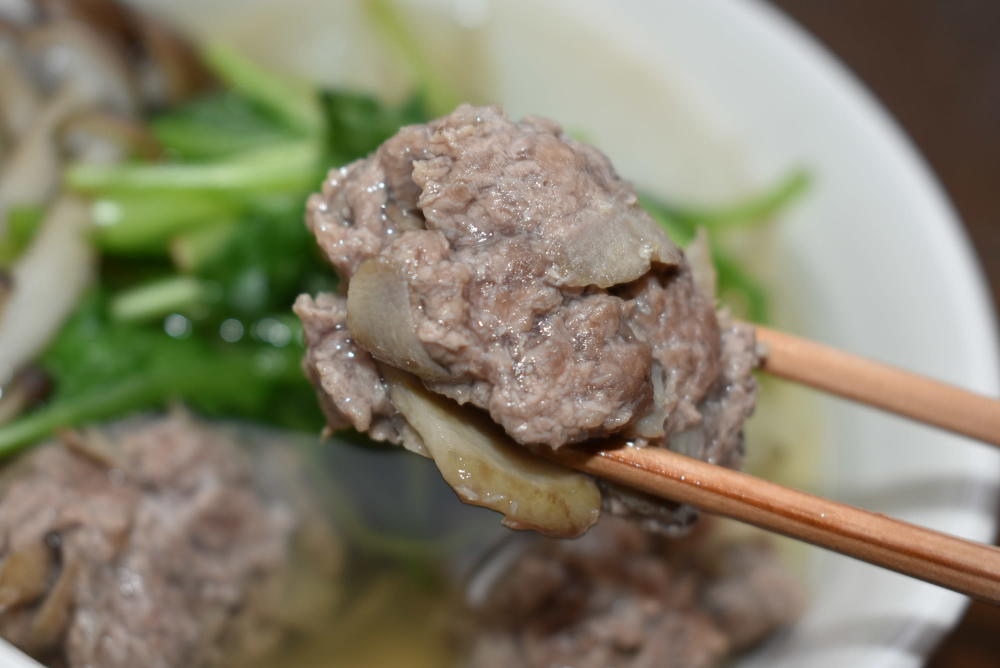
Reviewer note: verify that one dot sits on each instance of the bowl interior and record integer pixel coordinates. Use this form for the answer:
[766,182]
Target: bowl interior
[707,100]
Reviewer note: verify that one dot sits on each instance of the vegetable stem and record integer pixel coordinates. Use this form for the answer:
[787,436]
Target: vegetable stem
[22,223]
[159,298]
[191,250]
[757,208]
[285,166]
[136,222]
[113,400]
[439,96]
[292,102]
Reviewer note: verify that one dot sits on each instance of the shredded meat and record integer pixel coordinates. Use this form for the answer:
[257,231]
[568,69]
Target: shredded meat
[156,545]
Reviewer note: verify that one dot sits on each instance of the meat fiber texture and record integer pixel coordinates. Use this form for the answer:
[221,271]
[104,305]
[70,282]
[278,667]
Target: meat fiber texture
[154,544]
[509,268]
[620,597]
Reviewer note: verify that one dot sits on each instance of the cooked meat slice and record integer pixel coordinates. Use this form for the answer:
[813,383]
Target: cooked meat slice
[620,597]
[155,544]
[509,268]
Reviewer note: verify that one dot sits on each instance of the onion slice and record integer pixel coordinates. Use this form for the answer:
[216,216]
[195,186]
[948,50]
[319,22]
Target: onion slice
[617,249]
[486,468]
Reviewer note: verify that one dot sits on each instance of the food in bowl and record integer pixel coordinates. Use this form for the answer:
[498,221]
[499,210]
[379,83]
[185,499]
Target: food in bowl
[624,597]
[159,541]
[187,249]
[508,268]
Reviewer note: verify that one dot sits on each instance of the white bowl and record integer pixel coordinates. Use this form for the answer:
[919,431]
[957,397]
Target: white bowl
[701,100]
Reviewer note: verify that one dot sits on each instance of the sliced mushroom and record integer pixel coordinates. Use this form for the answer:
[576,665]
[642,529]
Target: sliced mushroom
[31,174]
[110,18]
[486,468]
[19,103]
[69,51]
[95,136]
[30,386]
[24,575]
[380,317]
[53,615]
[48,280]
[173,71]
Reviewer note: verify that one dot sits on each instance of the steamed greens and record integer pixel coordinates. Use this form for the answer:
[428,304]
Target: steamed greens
[204,251]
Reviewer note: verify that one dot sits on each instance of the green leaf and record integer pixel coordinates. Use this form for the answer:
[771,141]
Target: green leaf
[22,223]
[272,259]
[139,222]
[680,231]
[215,126]
[292,102]
[105,369]
[756,209]
[159,298]
[737,288]
[356,123]
[289,166]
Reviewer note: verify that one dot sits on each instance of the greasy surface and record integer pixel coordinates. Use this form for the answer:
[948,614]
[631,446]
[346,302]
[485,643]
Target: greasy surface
[619,598]
[535,282]
[159,549]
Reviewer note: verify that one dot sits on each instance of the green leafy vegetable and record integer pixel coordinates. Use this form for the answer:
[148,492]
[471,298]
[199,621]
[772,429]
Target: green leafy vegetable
[136,222]
[214,329]
[357,123]
[753,210]
[191,250]
[293,165]
[215,126]
[292,102]
[159,298]
[22,223]
[106,368]
[736,287]
[265,264]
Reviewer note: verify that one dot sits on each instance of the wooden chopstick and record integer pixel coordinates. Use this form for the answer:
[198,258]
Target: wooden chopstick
[964,566]
[880,385]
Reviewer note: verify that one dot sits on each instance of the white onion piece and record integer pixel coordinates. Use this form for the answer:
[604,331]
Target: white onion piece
[48,281]
[380,318]
[486,468]
[618,250]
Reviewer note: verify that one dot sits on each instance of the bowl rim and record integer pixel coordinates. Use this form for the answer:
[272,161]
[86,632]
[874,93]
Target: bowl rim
[941,227]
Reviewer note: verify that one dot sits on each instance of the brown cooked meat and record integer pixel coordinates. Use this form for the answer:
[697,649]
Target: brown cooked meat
[156,544]
[621,598]
[510,268]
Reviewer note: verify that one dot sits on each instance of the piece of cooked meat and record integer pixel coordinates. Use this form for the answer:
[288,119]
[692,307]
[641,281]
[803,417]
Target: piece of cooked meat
[154,544]
[510,269]
[622,598]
